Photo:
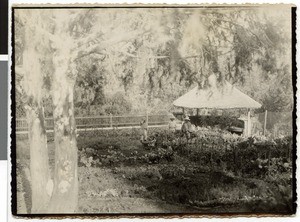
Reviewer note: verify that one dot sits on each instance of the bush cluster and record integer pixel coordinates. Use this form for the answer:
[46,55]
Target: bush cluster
[253,156]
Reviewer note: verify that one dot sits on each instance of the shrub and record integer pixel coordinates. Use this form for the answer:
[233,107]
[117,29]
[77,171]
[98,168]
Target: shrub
[253,156]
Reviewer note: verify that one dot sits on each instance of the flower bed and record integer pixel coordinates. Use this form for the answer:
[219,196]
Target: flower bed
[174,169]
[254,156]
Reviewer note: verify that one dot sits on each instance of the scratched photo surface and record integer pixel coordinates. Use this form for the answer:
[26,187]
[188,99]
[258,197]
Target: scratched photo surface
[151,110]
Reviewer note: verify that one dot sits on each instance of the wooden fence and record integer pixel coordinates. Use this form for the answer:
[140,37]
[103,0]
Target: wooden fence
[101,121]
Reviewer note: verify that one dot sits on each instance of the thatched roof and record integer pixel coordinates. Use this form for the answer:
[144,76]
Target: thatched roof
[218,97]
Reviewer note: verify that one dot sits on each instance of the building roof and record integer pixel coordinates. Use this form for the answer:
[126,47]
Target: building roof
[218,97]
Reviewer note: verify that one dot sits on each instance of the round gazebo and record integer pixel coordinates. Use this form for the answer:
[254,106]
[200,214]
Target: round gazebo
[225,96]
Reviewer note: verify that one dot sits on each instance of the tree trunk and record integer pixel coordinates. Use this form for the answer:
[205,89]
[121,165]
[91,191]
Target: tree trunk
[39,162]
[65,193]
[39,165]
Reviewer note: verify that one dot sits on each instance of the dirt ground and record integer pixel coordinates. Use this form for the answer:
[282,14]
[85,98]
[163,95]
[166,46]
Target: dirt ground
[100,191]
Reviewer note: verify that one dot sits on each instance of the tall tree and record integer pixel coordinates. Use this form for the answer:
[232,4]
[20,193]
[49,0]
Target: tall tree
[70,37]
[33,90]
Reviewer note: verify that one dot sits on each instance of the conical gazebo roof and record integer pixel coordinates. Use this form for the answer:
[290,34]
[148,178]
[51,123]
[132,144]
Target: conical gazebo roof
[218,97]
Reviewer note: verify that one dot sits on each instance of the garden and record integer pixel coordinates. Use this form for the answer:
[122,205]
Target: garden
[213,172]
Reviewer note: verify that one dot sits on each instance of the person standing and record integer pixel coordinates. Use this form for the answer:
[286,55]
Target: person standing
[172,124]
[144,128]
[187,128]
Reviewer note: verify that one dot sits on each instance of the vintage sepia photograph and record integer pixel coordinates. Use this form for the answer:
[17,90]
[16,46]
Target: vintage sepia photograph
[153,110]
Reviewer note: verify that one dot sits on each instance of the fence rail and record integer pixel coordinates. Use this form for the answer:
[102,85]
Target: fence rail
[101,121]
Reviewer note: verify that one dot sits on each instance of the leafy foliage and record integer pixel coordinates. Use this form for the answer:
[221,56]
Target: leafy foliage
[158,55]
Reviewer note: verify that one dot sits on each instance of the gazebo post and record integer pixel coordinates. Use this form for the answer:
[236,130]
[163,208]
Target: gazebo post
[249,123]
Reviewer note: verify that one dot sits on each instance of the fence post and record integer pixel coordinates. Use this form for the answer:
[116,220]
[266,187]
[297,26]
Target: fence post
[110,120]
[265,122]
[147,117]
[269,159]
